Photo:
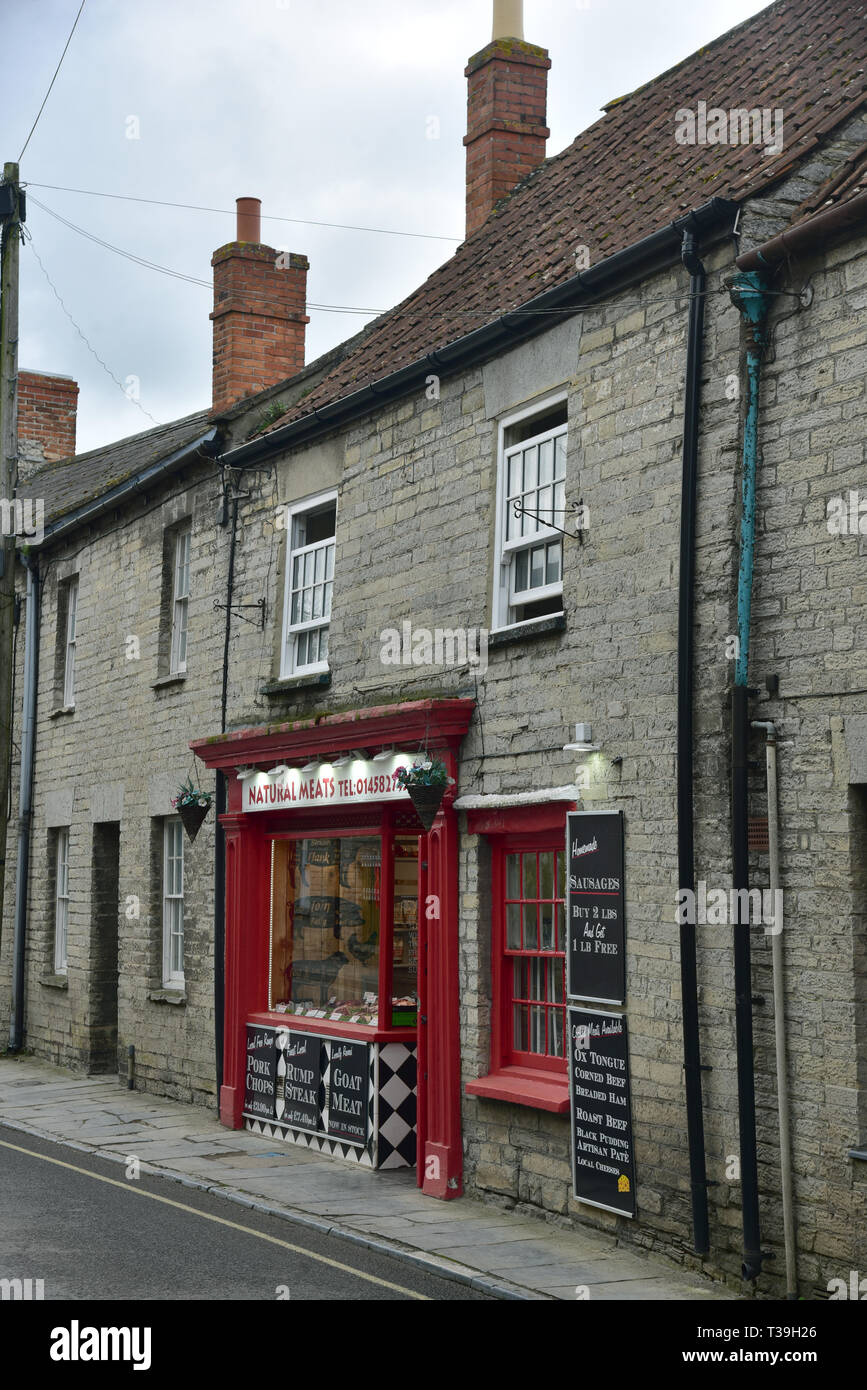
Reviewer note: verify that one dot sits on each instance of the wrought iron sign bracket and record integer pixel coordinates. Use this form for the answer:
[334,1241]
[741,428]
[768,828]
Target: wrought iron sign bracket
[236,609]
[576,535]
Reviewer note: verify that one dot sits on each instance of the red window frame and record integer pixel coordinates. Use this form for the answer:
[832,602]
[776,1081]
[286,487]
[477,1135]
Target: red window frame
[503,1050]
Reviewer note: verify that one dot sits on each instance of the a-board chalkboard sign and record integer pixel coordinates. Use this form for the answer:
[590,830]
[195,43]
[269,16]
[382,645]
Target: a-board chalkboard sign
[347,1091]
[595,917]
[260,1082]
[301,1059]
[603,1162]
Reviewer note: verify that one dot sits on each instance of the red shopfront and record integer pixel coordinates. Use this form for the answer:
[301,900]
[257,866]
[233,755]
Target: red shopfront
[341,1028]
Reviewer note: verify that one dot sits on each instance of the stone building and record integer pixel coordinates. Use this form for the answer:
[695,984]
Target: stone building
[657,338]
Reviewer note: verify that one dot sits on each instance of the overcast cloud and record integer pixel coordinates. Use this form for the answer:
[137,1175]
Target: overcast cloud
[320,109]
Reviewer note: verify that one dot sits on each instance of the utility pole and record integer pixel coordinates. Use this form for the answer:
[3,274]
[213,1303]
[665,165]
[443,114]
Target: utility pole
[11,218]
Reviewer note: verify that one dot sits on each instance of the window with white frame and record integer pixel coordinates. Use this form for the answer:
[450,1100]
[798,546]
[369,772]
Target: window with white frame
[531,501]
[310,527]
[173,902]
[69,656]
[61,902]
[180,602]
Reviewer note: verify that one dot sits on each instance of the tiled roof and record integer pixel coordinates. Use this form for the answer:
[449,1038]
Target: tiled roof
[70,484]
[626,176]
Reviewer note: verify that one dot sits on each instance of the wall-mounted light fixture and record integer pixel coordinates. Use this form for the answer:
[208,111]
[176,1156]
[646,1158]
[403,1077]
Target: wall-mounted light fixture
[243,772]
[278,771]
[383,755]
[583,741]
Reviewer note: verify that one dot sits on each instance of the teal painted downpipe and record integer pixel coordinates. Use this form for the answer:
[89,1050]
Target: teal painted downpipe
[748,294]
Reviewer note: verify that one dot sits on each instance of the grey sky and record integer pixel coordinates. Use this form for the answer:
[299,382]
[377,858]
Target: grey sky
[319,109]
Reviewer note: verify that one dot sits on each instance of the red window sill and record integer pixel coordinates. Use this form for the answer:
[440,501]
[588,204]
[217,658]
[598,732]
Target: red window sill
[300,1023]
[523,1086]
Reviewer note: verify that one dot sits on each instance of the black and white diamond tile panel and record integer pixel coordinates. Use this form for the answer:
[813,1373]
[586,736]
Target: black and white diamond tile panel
[318,1143]
[396,1096]
[391,1115]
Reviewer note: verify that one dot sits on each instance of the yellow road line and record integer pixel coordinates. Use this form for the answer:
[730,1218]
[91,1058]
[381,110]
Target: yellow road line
[220,1220]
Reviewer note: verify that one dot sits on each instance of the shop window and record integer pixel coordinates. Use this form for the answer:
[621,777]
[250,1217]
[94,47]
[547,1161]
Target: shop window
[180,601]
[332,952]
[531,472]
[529,1004]
[309,582]
[173,903]
[405,932]
[61,901]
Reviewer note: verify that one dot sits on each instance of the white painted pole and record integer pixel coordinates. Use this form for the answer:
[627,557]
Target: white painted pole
[508,19]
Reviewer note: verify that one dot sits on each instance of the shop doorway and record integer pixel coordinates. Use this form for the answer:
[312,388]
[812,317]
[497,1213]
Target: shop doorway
[103,974]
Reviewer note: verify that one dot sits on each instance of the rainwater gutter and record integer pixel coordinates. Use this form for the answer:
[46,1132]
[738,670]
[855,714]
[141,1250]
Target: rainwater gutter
[778,970]
[692,1067]
[748,294]
[25,799]
[711,221]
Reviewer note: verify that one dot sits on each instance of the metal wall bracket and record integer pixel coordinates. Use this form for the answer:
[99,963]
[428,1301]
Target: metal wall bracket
[576,535]
[236,609]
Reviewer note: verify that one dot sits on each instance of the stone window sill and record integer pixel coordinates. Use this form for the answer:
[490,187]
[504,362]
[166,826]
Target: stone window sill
[167,996]
[166,681]
[522,1086]
[527,632]
[54,981]
[321,680]
[61,710]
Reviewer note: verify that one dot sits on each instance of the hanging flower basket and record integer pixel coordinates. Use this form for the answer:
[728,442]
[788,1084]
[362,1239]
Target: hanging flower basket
[427,802]
[426,782]
[192,805]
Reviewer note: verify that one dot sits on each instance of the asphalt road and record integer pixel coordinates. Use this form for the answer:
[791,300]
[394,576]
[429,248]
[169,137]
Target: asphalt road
[76,1223]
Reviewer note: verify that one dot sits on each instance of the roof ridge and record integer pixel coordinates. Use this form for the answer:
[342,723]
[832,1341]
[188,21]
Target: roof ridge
[117,443]
[702,49]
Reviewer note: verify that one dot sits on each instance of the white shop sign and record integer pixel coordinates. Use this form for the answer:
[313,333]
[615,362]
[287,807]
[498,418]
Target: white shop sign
[351,784]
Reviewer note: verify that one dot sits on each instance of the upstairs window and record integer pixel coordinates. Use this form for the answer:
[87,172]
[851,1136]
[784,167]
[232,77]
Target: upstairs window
[69,620]
[532,473]
[180,602]
[61,901]
[309,582]
[173,903]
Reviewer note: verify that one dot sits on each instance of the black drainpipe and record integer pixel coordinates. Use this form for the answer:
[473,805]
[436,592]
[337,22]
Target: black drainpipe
[219,833]
[692,1067]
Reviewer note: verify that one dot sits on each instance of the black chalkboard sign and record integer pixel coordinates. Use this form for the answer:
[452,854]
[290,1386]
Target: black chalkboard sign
[347,1091]
[260,1082]
[595,917]
[301,1068]
[603,1163]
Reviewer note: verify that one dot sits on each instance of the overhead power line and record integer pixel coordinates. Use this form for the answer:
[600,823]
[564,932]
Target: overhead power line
[87,344]
[179,274]
[230,212]
[51,83]
[451,313]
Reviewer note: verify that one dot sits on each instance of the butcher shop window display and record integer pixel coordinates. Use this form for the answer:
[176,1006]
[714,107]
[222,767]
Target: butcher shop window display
[326,928]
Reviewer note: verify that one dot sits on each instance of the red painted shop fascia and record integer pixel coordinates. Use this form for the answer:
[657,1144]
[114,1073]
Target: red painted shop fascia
[437,723]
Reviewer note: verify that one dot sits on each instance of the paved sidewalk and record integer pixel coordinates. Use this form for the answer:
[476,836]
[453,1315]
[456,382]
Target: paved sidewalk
[504,1254]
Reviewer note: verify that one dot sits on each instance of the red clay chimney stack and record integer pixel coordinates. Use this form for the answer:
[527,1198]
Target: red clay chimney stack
[47,409]
[249,219]
[506,112]
[259,318]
